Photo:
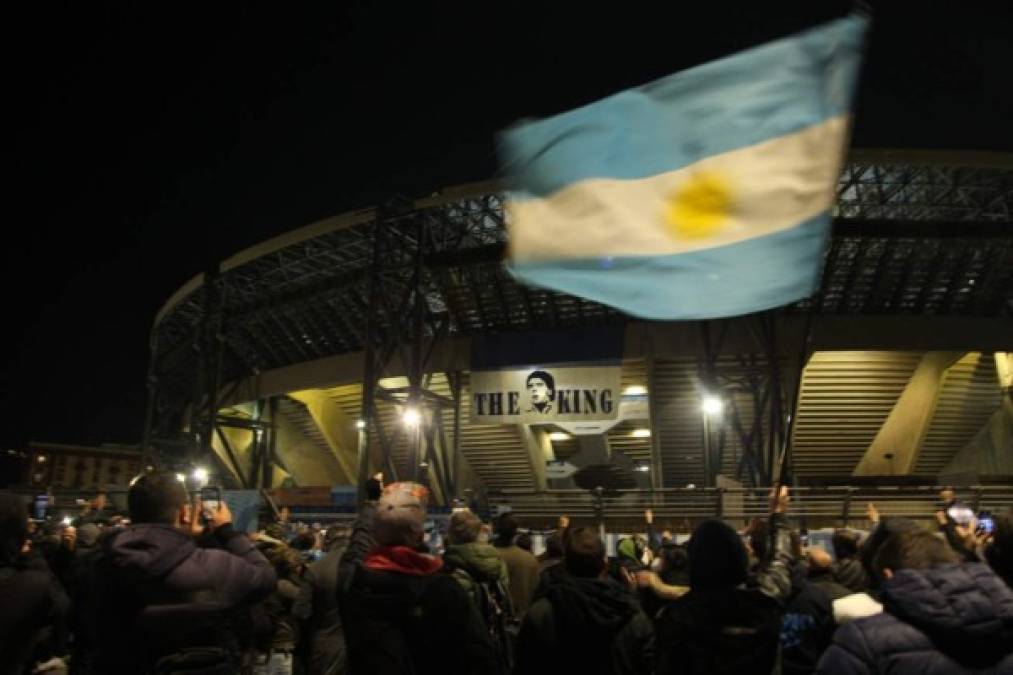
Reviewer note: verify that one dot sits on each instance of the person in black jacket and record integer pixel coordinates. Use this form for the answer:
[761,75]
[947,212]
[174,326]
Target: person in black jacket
[325,637]
[848,570]
[161,598]
[940,616]
[586,623]
[807,625]
[27,603]
[730,620]
[999,551]
[401,612]
[821,573]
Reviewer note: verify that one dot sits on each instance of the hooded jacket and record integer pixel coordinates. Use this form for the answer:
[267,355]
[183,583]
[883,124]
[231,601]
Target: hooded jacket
[951,619]
[158,592]
[401,615]
[850,573]
[807,624]
[587,626]
[327,652]
[482,564]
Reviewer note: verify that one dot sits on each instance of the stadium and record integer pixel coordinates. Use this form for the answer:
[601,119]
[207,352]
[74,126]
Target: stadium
[347,347]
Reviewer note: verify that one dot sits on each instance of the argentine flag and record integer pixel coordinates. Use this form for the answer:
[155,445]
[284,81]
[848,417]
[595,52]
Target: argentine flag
[704,194]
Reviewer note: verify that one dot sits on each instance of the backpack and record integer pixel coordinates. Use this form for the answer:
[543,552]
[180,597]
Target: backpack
[494,606]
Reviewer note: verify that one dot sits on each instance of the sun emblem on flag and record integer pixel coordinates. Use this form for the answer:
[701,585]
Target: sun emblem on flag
[699,205]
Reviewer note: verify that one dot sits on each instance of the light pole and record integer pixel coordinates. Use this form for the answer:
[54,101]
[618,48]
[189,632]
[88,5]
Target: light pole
[710,407]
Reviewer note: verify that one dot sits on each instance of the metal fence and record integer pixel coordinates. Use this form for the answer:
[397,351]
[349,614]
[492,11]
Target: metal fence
[675,507]
[844,505]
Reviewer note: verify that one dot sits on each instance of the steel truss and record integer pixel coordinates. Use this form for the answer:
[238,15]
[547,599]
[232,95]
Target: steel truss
[912,239]
[405,319]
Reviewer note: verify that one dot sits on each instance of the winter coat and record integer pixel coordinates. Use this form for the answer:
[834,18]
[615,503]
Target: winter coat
[482,564]
[825,580]
[729,629]
[159,593]
[807,625]
[522,568]
[84,608]
[416,621]
[850,573]
[948,620]
[27,609]
[326,638]
[586,626]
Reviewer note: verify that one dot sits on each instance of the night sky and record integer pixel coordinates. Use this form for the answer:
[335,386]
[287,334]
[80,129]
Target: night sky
[150,143]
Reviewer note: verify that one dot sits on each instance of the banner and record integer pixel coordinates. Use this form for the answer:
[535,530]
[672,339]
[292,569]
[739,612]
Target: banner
[545,394]
[546,378]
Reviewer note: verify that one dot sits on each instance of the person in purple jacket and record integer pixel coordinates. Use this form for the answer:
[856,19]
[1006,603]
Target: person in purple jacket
[939,616]
[166,603]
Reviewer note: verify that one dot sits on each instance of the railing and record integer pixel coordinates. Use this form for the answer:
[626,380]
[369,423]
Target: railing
[674,507]
[845,505]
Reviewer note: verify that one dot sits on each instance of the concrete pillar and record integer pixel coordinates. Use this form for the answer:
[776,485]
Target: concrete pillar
[895,449]
[539,448]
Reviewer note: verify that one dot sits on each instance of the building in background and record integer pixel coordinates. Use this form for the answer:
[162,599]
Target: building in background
[80,467]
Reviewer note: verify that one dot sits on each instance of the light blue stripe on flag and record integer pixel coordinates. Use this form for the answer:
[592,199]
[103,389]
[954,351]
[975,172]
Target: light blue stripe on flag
[705,284]
[746,98]
[704,194]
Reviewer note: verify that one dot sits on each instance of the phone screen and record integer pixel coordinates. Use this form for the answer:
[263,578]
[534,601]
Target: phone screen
[985,522]
[211,499]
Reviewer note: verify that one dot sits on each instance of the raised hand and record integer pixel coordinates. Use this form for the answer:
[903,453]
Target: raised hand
[779,499]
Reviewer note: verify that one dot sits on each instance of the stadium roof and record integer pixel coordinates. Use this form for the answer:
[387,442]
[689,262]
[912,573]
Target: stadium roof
[915,233]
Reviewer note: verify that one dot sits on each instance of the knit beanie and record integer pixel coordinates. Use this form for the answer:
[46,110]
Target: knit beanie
[401,514]
[717,556]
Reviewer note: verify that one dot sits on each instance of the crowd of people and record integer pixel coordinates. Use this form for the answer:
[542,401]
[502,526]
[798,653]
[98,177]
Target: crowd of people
[170,587]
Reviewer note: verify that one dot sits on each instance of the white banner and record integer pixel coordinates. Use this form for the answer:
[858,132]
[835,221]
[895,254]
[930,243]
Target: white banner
[630,408]
[545,394]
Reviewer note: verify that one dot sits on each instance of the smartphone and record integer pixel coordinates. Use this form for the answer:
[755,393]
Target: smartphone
[211,501]
[985,522]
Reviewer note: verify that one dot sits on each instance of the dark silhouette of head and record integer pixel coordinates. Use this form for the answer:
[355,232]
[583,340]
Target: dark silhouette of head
[584,553]
[465,527]
[156,497]
[911,550]
[13,527]
[506,530]
[554,546]
[717,556]
[758,534]
[845,544]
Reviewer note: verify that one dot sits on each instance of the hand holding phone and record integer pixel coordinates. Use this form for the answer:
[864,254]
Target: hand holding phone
[986,524]
[210,502]
[213,508]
